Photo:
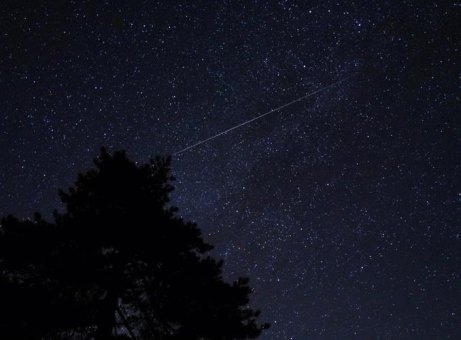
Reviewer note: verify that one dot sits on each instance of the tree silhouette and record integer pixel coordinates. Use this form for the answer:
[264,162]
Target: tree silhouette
[117,263]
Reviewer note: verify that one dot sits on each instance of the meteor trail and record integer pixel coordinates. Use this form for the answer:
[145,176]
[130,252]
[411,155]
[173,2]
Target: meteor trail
[259,117]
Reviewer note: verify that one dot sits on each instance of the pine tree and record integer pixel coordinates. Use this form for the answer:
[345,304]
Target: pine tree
[118,260]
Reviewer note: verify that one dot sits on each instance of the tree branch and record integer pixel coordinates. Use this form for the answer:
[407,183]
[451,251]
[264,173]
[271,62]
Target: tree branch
[125,322]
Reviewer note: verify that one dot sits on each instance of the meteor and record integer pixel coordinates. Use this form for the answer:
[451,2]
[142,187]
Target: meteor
[259,117]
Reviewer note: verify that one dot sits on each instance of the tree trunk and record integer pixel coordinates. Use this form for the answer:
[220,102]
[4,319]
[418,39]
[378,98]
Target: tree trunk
[106,317]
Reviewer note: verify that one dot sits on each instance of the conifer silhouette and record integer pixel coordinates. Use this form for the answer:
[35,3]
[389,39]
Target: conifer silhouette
[117,263]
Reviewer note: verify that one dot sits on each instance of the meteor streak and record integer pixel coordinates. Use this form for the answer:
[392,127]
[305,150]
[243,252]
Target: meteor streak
[259,117]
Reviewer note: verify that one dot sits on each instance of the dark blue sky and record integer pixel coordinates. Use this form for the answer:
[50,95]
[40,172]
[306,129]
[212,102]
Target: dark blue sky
[343,209]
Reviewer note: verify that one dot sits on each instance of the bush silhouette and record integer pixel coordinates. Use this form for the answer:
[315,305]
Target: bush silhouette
[117,263]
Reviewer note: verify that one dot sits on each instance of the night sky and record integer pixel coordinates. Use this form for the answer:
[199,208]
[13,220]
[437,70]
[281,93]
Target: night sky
[344,209]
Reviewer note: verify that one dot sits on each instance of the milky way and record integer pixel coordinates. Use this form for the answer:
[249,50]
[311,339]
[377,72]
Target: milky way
[343,209]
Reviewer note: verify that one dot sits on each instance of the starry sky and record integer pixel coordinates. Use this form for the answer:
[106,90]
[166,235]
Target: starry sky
[344,209]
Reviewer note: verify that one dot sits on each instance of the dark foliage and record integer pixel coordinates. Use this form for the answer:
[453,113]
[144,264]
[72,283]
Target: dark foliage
[118,263]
